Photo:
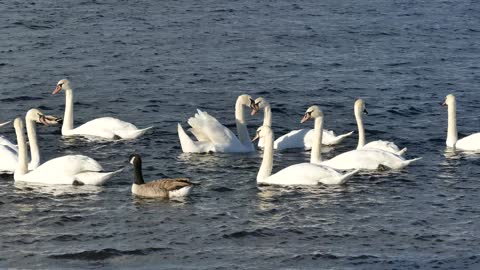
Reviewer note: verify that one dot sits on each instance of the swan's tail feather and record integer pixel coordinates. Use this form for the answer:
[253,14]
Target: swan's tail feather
[347,176]
[137,133]
[340,138]
[402,152]
[95,178]
[186,142]
[407,162]
[6,123]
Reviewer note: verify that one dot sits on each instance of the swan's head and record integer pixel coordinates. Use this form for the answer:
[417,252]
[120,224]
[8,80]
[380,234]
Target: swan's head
[63,84]
[262,132]
[135,159]
[37,116]
[312,112]
[258,104]
[449,100]
[360,107]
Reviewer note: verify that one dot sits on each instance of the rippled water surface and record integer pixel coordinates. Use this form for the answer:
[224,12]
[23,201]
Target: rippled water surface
[155,62]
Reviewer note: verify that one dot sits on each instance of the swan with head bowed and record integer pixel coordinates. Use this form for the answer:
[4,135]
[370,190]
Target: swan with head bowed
[359,108]
[214,137]
[104,127]
[469,143]
[367,159]
[68,170]
[302,173]
[9,151]
[300,138]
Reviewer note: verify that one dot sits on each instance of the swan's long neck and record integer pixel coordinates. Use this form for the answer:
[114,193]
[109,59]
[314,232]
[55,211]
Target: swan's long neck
[452,135]
[68,116]
[242,130]
[22,166]
[267,162]
[267,116]
[316,155]
[138,175]
[32,138]
[361,130]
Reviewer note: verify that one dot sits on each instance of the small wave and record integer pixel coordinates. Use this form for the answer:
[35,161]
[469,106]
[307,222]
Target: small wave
[20,98]
[95,255]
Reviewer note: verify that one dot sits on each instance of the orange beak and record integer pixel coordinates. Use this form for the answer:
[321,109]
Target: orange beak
[305,118]
[57,89]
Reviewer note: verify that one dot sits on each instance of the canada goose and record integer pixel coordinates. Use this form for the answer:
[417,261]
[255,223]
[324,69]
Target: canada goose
[162,188]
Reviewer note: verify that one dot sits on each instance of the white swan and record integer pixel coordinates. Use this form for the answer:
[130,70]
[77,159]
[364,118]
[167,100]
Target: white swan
[214,137]
[300,138]
[359,108]
[105,127]
[71,169]
[163,188]
[469,143]
[9,151]
[367,159]
[303,173]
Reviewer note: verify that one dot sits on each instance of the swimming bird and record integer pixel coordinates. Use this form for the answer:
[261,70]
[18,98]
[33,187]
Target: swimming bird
[104,127]
[469,143]
[300,138]
[212,136]
[163,188]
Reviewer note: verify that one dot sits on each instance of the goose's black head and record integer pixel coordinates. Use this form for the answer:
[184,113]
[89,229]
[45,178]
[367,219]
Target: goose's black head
[135,159]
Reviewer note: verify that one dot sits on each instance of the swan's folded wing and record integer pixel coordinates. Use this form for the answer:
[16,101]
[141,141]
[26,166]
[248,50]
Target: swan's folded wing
[302,174]
[68,165]
[382,145]
[293,139]
[471,142]
[206,126]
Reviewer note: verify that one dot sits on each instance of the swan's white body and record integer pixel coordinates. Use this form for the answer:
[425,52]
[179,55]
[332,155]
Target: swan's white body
[71,169]
[300,138]
[380,145]
[469,143]
[214,137]
[105,127]
[367,159]
[298,174]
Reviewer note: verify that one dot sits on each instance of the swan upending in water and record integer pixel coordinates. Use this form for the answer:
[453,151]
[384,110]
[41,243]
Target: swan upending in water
[303,173]
[214,137]
[469,143]
[300,138]
[105,127]
[70,170]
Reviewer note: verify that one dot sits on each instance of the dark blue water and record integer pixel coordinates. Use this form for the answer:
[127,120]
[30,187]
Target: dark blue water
[155,62]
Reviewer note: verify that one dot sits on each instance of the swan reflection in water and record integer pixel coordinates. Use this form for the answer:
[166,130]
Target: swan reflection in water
[24,188]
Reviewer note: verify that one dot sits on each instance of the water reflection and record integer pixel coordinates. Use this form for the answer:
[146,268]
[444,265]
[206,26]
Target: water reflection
[22,188]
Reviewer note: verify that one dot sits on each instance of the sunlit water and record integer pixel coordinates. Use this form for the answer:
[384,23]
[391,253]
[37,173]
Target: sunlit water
[155,62]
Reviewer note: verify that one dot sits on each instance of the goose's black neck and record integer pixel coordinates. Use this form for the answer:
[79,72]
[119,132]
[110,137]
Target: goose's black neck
[137,168]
